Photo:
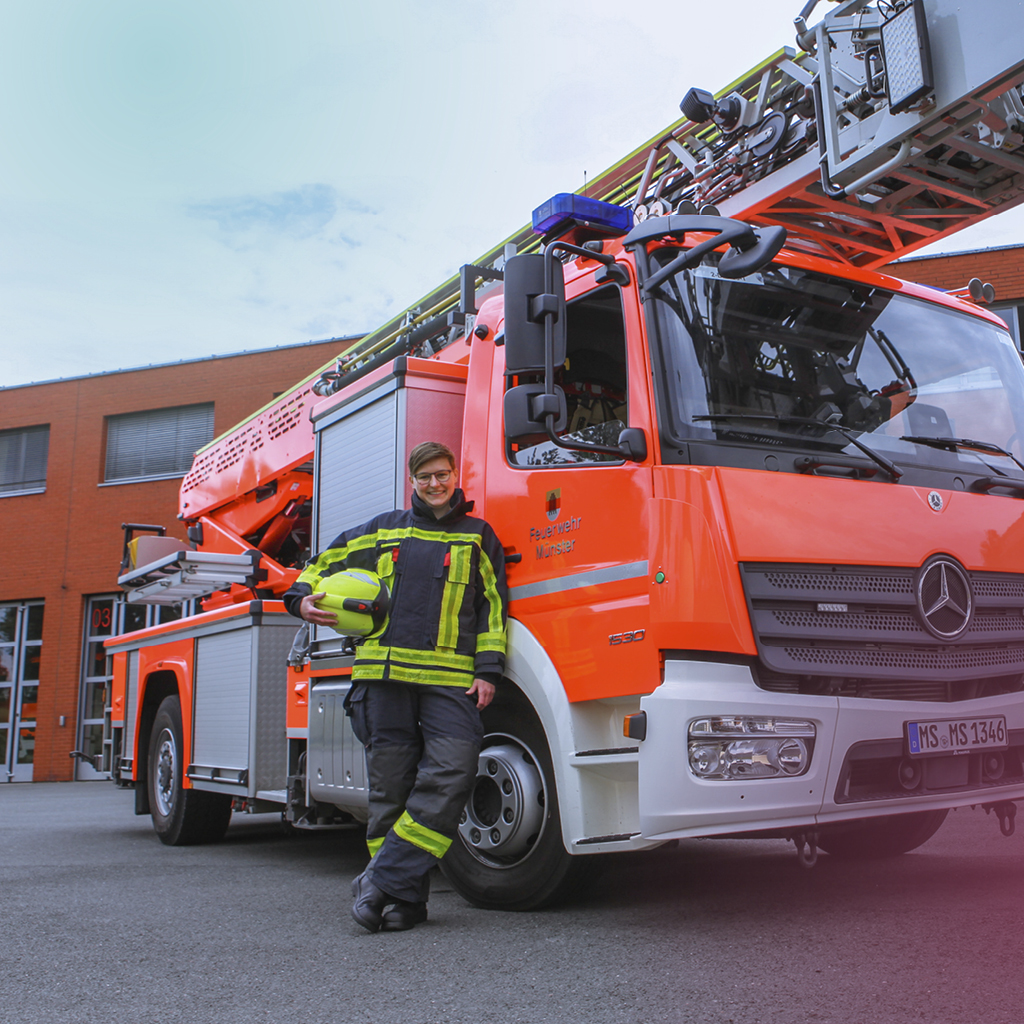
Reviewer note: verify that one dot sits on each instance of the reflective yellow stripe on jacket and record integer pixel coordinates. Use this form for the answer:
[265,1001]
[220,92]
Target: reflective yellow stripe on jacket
[441,667]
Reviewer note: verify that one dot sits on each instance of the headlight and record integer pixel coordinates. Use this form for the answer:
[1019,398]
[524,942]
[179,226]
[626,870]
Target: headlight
[749,747]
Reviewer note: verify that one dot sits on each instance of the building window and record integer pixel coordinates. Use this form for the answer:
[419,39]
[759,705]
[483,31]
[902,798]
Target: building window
[23,456]
[94,713]
[156,444]
[21,643]
[1009,312]
[108,615]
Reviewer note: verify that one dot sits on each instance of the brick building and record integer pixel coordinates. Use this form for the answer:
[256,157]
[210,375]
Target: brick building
[77,458]
[1001,266]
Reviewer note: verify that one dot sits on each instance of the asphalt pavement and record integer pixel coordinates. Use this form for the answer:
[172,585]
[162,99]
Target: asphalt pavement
[101,922]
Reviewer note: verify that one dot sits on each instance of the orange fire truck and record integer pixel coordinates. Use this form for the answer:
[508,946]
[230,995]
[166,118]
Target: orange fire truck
[759,501]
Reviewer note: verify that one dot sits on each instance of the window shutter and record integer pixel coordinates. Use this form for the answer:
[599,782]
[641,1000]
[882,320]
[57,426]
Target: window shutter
[23,455]
[157,443]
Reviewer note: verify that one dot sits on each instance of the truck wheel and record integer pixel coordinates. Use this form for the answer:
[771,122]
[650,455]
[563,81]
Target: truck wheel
[181,817]
[881,837]
[508,854]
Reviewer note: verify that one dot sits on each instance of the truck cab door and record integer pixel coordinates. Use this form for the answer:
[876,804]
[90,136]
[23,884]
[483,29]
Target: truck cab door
[579,519]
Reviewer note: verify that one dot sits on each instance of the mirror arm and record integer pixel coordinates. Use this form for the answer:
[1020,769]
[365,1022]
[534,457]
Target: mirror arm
[749,250]
[549,332]
[616,272]
[581,446]
[681,262]
[590,254]
[687,258]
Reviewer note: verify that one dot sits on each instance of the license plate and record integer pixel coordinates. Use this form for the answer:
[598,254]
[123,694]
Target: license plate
[956,735]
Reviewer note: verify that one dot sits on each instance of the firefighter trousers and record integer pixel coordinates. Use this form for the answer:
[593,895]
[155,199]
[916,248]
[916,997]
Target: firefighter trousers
[422,746]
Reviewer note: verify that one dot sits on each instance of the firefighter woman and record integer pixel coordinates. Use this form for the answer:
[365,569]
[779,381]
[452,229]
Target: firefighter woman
[418,686]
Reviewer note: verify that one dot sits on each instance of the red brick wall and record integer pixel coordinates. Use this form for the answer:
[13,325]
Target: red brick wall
[1004,268]
[66,543]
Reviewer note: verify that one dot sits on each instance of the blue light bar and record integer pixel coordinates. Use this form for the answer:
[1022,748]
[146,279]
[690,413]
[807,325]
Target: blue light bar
[567,208]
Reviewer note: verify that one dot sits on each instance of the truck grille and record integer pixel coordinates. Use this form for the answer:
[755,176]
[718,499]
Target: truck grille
[857,631]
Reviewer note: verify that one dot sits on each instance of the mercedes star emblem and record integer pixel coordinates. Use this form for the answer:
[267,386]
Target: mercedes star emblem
[935,500]
[944,598]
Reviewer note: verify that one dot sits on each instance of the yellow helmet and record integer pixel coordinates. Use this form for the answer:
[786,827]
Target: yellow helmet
[359,598]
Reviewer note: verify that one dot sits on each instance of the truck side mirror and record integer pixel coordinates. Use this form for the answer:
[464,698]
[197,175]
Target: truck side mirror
[633,444]
[738,262]
[525,409]
[527,305]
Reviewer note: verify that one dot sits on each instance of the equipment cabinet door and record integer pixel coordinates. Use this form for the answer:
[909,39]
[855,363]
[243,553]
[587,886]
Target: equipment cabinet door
[579,519]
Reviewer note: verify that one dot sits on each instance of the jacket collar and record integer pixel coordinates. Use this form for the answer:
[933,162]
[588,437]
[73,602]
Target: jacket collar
[459,507]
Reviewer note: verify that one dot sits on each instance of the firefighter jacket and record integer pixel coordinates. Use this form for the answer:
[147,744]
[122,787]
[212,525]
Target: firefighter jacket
[449,601]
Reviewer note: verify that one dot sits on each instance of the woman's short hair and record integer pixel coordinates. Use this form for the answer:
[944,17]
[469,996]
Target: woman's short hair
[427,452]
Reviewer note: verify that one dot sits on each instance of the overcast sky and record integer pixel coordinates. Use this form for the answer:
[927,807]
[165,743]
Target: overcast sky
[191,178]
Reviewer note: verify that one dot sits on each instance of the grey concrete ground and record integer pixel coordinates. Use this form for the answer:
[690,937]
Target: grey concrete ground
[101,922]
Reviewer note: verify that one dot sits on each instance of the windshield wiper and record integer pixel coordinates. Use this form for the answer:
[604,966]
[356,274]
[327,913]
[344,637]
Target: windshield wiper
[952,444]
[880,460]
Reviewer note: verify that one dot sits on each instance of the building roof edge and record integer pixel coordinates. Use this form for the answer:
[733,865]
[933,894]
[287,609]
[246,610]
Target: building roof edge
[346,341]
[949,255]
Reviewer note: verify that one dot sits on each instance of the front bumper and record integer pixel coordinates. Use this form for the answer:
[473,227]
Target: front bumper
[852,770]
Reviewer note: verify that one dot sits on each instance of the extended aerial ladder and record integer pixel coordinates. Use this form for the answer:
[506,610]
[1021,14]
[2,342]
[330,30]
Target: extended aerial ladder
[893,124]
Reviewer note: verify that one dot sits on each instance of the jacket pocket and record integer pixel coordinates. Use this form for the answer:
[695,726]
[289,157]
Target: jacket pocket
[460,568]
[386,563]
[355,708]
[459,562]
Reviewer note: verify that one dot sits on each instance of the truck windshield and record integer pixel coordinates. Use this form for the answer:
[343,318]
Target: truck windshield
[789,358]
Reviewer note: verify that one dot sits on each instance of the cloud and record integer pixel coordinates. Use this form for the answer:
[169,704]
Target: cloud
[299,213]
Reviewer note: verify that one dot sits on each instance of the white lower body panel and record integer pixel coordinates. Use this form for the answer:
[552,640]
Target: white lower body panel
[675,803]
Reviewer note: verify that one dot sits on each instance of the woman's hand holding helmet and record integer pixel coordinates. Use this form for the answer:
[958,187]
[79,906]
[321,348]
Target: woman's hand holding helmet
[311,612]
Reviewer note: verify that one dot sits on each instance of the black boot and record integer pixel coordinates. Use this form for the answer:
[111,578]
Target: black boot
[369,905]
[403,916]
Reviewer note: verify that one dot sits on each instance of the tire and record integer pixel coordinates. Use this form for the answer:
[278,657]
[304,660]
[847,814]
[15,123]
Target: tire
[881,837]
[181,817]
[508,853]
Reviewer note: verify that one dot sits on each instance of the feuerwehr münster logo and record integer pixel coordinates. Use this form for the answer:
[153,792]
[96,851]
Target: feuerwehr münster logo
[553,503]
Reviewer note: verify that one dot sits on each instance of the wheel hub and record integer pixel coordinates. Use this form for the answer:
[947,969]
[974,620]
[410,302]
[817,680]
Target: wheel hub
[505,811]
[166,765]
